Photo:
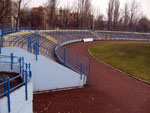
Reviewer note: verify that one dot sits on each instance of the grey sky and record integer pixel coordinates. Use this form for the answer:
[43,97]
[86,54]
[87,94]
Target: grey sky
[98,4]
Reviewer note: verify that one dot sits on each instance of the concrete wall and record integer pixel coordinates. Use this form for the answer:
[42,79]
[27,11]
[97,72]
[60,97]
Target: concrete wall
[70,42]
[18,102]
[47,74]
[5,67]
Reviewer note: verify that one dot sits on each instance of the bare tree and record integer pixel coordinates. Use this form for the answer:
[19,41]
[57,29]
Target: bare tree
[110,13]
[133,15]
[84,9]
[36,19]
[113,14]
[144,24]
[25,14]
[81,11]
[116,14]
[99,22]
[67,11]
[89,18]
[125,17]
[18,15]
[25,17]
[51,10]
[4,8]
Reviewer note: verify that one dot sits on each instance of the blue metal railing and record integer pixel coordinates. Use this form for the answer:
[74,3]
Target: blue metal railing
[7,31]
[79,63]
[75,61]
[33,46]
[69,58]
[25,75]
[9,60]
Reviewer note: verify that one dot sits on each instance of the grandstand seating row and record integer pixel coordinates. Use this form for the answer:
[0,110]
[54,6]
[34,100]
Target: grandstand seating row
[63,36]
[46,46]
[124,35]
[48,39]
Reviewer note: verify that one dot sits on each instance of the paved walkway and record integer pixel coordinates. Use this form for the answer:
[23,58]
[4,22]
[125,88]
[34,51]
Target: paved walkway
[110,92]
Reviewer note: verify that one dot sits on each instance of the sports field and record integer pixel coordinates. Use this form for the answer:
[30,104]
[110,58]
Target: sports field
[132,58]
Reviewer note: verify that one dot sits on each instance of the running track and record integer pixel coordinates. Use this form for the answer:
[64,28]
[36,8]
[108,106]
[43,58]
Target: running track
[110,92]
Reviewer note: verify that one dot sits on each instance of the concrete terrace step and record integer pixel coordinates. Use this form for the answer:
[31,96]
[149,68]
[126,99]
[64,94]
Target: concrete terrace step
[95,34]
[19,34]
[67,35]
[48,37]
[45,46]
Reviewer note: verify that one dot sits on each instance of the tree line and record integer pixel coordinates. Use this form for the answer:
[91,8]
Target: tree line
[128,18]
[81,15]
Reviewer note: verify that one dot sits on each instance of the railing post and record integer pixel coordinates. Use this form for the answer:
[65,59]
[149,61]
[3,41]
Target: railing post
[81,71]
[23,75]
[11,58]
[64,56]
[77,57]
[20,64]
[1,37]
[37,45]
[30,73]
[28,43]
[26,85]
[8,94]
[4,86]
[89,71]
[36,51]
[0,48]
[26,66]
[34,48]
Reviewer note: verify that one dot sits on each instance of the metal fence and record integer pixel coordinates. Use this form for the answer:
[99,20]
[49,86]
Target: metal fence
[6,87]
[62,35]
[32,42]
[119,35]
[74,60]
[10,60]
[6,31]
[77,62]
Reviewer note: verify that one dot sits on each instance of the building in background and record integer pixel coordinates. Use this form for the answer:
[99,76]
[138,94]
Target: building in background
[39,16]
[62,17]
[10,13]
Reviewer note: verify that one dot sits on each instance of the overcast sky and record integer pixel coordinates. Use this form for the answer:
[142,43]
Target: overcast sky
[98,4]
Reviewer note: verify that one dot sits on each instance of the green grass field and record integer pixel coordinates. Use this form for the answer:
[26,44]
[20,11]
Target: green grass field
[132,58]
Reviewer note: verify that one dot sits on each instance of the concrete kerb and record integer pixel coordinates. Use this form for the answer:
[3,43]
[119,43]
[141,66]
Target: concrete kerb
[57,90]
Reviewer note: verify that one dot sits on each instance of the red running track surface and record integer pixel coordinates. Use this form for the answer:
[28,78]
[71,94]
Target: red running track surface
[110,92]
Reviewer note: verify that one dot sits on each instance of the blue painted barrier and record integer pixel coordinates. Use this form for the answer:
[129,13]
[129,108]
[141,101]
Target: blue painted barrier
[11,60]
[74,60]
[81,72]
[26,86]
[8,93]
[64,56]
[25,74]
[4,85]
